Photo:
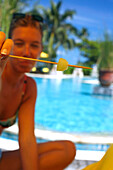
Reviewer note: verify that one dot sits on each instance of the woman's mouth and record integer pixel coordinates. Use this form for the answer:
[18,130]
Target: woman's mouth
[26,63]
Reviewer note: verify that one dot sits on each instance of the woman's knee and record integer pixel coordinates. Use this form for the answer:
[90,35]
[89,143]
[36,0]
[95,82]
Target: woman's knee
[71,149]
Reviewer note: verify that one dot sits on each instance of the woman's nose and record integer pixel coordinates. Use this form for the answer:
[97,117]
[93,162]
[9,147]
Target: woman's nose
[27,50]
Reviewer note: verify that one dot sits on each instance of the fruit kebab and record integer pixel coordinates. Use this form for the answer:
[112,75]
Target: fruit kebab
[61,65]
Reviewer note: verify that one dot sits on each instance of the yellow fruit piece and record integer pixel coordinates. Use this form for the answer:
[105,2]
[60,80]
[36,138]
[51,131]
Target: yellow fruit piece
[62,64]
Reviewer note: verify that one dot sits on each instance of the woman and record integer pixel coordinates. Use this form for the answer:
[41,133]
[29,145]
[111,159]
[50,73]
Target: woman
[17,99]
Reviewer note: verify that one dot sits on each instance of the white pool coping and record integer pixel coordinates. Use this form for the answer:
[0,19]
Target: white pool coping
[89,155]
[51,76]
[8,144]
[91,81]
[76,138]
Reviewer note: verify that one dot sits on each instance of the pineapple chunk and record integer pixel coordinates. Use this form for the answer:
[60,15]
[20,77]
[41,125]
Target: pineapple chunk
[62,64]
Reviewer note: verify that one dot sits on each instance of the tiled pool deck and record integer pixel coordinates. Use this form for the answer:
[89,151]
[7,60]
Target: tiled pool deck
[84,158]
[79,164]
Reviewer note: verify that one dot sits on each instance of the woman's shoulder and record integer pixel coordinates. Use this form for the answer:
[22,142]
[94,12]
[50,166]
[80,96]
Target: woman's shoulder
[31,87]
[30,80]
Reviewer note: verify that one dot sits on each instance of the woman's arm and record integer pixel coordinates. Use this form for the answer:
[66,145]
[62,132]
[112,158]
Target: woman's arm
[27,140]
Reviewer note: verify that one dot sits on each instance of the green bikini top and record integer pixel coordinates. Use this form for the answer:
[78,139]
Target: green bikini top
[9,122]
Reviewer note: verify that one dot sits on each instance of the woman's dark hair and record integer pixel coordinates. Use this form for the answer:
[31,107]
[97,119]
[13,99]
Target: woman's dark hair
[25,20]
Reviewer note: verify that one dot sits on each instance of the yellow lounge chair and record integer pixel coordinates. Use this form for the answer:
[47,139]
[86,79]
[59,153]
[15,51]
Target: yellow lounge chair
[106,163]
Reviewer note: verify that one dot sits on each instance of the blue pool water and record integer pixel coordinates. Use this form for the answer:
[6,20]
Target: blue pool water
[69,105]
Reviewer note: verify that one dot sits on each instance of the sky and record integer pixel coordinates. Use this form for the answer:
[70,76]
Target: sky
[95,15]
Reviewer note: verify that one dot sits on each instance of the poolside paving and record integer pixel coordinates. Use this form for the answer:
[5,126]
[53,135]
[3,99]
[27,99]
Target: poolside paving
[85,158]
[79,164]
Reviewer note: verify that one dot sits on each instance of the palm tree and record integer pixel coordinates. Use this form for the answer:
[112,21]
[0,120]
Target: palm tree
[57,31]
[7,8]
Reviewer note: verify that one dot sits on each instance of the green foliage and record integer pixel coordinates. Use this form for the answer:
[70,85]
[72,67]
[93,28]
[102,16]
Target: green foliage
[69,70]
[99,52]
[105,60]
[90,50]
[7,8]
[87,72]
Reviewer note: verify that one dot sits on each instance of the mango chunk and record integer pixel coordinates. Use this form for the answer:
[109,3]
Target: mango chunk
[62,64]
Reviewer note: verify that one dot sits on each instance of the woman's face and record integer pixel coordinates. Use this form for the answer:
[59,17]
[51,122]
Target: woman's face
[27,43]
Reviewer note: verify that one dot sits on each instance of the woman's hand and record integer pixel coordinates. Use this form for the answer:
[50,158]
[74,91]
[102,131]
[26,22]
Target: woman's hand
[5,49]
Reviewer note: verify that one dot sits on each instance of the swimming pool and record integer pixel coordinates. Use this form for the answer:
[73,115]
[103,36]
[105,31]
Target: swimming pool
[68,105]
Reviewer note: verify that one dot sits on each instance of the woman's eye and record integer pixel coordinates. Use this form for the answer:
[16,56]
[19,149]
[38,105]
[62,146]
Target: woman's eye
[35,45]
[19,44]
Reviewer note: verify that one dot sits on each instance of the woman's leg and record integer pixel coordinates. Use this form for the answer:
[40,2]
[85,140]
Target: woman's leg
[56,155]
[52,156]
[10,160]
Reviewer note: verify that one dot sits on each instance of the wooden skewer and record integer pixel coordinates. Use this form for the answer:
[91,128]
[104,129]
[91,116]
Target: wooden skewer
[44,61]
[79,66]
